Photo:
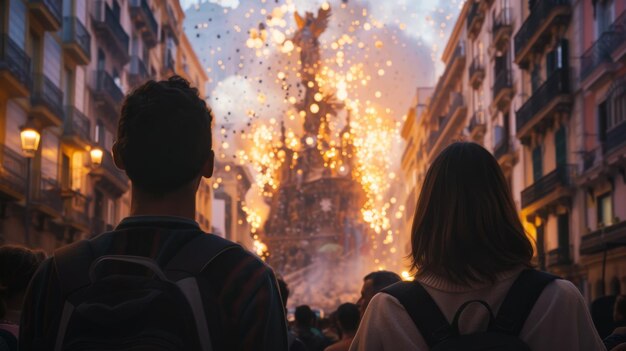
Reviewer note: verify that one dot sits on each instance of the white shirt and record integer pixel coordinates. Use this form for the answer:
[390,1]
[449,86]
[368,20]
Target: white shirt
[559,320]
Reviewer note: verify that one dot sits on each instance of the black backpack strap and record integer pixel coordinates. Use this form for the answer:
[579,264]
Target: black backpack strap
[423,310]
[198,253]
[72,265]
[520,300]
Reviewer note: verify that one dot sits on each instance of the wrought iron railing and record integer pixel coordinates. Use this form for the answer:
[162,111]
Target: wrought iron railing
[476,66]
[13,171]
[75,32]
[478,119]
[502,81]
[15,60]
[458,54]
[603,238]
[473,14]
[562,176]
[557,84]
[105,84]
[145,8]
[77,123]
[138,67]
[46,93]
[49,194]
[504,19]
[104,16]
[615,137]
[538,15]
[77,208]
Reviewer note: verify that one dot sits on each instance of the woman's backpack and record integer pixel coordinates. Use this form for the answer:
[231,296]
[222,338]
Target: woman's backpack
[503,330]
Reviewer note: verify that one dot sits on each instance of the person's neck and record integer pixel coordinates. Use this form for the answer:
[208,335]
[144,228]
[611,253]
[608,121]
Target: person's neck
[180,203]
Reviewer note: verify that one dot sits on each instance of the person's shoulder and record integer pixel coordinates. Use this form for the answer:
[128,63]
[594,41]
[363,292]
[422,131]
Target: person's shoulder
[563,291]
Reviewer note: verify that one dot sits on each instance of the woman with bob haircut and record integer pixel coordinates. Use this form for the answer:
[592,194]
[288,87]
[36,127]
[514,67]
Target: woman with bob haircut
[468,243]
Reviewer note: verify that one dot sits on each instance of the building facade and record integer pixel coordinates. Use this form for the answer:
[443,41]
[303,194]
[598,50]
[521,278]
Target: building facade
[65,67]
[541,85]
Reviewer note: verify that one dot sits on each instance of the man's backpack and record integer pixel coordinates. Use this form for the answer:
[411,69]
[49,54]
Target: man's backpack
[503,331]
[114,310]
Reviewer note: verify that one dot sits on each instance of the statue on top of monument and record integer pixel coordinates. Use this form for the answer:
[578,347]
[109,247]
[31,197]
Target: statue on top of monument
[306,38]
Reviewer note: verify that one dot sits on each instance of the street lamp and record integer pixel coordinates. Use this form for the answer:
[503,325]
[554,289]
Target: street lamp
[30,138]
[96,154]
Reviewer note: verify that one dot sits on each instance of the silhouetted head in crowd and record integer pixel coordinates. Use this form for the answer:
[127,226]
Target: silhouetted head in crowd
[164,141]
[17,266]
[305,317]
[348,318]
[466,227]
[284,291]
[373,283]
[619,309]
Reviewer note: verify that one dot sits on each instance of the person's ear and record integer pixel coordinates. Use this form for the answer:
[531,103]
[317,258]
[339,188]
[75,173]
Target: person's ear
[207,169]
[117,158]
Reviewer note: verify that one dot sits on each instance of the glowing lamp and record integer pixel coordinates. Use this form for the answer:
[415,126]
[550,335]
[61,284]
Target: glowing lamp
[96,156]
[30,141]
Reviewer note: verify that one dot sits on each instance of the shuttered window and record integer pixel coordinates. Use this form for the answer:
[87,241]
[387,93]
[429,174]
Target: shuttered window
[560,145]
[17,22]
[537,164]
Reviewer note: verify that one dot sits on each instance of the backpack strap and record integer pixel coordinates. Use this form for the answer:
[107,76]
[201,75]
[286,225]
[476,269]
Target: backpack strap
[196,255]
[183,269]
[423,310]
[520,300]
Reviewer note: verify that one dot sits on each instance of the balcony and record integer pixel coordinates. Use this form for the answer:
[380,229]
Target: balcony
[46,101]
[477,125]
[503,90]
[453,70]
[15,78]
[619,49]
[544,21]
[76,41]
[169,64]
[475,20]
[47,199]
[110,177]
[552,97]
[77,128]
[170,24]
[502,30]
[503,152]
[455,117]
[615,138]
[12,174]
[107,95]
[109,29]
[138,72]
[549,188]
[48,13]
[76,210]
[477,72]
[144,20]
[604,238]
[558,257]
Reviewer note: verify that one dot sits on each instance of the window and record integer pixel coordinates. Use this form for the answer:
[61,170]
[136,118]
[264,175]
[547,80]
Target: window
[99,134]
[604,16]
[535,78]
[116,10]
[66,179]
[537,164]
[605,210]
[101,60]
[557,58]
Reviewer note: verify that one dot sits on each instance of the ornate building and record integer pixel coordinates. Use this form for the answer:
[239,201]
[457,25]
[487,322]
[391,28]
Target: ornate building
[316,209]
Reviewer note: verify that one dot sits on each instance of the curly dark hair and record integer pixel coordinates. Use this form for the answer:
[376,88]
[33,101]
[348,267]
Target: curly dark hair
[164,135]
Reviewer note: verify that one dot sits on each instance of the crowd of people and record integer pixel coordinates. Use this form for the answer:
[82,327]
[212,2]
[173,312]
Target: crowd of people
[157,282]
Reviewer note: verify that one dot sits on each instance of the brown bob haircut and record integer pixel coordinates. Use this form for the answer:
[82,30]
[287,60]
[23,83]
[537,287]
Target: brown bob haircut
[466,227]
